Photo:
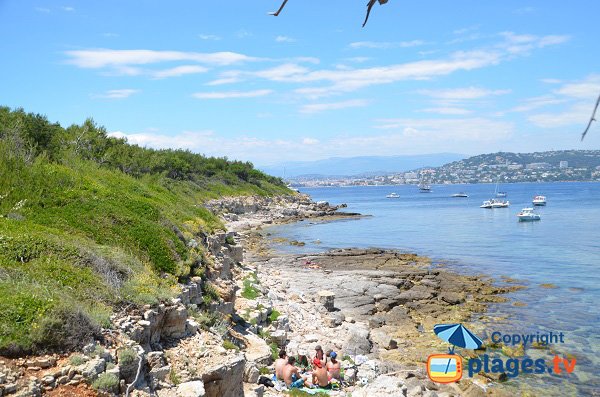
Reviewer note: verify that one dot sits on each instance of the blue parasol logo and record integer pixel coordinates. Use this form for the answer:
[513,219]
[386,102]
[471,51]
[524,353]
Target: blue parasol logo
[458,335]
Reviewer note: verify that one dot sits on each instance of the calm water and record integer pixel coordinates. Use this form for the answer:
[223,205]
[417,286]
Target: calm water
[563,249]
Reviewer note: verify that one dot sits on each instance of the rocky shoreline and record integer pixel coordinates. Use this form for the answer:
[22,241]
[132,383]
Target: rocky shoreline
[382,307]
[217,336]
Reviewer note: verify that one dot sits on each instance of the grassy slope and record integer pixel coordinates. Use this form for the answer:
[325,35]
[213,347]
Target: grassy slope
[78,240]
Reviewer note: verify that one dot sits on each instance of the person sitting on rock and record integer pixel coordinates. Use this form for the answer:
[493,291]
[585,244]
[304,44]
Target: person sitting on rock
[319,375]
[334,366]
[280,364]
[291,375]
[319,353]
[302,361]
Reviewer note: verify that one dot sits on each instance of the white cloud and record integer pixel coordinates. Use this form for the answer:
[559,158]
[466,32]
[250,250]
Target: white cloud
[386,44]
[116,94]
[472,129]
[537,102]
[462,93]
[321,107]
[551,81]
[231,94]
[68,9]
[225,80]
[582,96]
[358,59]
[110,34]
[409,136]
[284,39]
[43,10]
[211,37]
[353,79]
[466,30]
[447,110]
[102,57]
[192,140]
[178,71]
[310,141]
[588,88]
[523,44]
[208,143]
[578,114]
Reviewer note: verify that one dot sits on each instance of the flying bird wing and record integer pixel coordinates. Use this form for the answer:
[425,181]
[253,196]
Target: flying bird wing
[370,5]
[276,13]
[592,119]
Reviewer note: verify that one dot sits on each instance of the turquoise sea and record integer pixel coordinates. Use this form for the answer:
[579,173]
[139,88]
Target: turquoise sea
[562,249]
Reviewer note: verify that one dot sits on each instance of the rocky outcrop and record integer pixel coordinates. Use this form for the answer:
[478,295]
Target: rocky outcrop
[225,379]
[243,213]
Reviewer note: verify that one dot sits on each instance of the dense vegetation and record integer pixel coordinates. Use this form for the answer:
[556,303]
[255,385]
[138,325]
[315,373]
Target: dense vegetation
[89,223]
[576,158]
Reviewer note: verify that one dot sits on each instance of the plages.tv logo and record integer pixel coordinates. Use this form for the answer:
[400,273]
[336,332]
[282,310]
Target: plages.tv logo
[448,368]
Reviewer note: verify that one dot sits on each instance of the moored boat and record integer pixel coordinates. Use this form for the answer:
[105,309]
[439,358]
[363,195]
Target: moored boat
[393,195]
[486,204]
[500,203]
[539,200]
[527,215]
[424,188]
[460,194]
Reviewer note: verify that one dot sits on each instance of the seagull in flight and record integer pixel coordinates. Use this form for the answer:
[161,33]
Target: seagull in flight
[370,5]
[276,13]
[592,119]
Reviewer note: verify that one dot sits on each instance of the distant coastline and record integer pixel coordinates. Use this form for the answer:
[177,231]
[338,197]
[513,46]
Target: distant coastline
[555,166]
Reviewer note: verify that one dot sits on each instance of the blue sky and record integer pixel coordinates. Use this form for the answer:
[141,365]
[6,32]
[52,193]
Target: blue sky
[225,79]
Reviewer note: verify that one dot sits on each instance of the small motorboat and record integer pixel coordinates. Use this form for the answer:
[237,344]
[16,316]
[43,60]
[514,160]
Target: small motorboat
[486,204]
[539,200]
[461,194]
[527,215]
[393,195]
[494,203]
[424,188]
[500,203]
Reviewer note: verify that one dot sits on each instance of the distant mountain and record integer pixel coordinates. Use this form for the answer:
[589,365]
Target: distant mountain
[345,166]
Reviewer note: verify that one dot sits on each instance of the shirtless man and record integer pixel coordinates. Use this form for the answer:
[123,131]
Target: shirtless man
[291,374]
[333,366]
[280,364]
[319,374]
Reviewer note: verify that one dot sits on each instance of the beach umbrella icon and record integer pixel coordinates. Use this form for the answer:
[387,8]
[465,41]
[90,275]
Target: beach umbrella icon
[457,335]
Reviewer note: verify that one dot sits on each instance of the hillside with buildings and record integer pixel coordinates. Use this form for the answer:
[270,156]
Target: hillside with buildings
[552,166]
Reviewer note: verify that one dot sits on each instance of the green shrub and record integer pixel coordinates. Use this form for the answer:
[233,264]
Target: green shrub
[210,293]
[274,351]
[173,377]
[264,370]
[274,315]
[250,291]
[230,345]
[127,357]
[348,358]
[264,334]
[77,360]
[106,382]
[96,224]
[229,240]
[205,319]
